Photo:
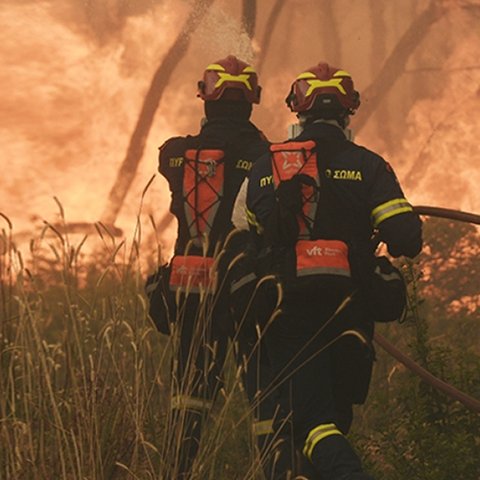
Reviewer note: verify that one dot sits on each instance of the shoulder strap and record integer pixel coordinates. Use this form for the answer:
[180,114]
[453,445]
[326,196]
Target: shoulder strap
[299,159]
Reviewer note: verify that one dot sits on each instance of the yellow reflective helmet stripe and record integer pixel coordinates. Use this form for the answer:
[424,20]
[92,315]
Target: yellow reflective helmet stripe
[338,73]
[390,209]
[318,434]
[228,77]
[215,67]
[185,402]
[305,75]
[341,73]
[249,69]
[263,427]
[333,82]
[315,82]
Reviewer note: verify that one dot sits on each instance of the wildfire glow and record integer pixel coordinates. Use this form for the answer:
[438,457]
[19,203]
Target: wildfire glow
[442,142]
[73,81]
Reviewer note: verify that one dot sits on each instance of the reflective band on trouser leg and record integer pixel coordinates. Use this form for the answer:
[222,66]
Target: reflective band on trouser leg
[186,402]
[318,434]
[245,280]
[263,427]
[389,209]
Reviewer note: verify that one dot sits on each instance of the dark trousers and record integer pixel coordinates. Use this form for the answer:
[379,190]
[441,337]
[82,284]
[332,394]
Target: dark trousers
[204,332]
[198,361]
[299,347]
[249,308]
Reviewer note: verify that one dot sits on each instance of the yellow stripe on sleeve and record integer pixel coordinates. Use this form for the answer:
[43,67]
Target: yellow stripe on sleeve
[390,209]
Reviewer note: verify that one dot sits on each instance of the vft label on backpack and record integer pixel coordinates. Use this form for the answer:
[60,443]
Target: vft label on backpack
[322,257]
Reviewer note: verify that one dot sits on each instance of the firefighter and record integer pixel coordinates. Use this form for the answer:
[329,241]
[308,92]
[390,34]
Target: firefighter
[314,203]
[204,173]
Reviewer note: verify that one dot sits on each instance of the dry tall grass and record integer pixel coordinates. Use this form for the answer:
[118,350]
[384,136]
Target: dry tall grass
[85,379]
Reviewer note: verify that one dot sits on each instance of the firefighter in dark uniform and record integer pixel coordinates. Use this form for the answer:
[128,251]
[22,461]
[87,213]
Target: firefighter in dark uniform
[190,295]
[315,202]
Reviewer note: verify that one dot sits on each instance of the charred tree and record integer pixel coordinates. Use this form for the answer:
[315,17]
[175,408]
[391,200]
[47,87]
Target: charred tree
[378,52]
[329,34]
[249,16]
[395,64]
[269,29]
[144,123]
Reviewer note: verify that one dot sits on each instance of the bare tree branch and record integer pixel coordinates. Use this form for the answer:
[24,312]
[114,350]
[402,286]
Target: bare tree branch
[329,34]
[269,28]
[152,99]
[419,166]
[395,63]
[249,16]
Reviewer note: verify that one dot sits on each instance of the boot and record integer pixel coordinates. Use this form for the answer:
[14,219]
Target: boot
[358,476]
[334,459]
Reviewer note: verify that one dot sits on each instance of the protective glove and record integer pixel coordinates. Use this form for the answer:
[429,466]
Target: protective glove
[386,292]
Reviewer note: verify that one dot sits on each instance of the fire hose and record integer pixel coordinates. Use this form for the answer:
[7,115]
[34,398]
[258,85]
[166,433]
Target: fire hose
[448,214]
[469,402]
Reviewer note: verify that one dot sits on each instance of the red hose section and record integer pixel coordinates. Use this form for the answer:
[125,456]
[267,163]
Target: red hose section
[469,402]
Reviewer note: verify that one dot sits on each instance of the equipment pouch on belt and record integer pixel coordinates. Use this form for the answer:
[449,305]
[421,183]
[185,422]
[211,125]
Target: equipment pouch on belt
[192,274]
[160,299]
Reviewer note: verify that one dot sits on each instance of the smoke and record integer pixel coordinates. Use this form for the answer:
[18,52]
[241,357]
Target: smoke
[69,106]
[74,74]
[442,141]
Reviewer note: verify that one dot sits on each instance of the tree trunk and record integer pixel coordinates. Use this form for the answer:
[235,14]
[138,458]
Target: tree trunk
[269,28]
[329,34]
[249,16]
[136,147]
[377,54]
[395,63]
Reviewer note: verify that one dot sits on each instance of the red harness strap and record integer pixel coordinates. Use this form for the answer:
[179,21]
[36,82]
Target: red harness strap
[294,158]
[203,181]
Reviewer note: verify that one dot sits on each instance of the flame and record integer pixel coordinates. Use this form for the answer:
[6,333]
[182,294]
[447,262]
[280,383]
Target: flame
[442,141]
[74,77]
[71,108]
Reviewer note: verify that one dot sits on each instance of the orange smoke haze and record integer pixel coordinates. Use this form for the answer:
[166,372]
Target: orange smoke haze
[74,75]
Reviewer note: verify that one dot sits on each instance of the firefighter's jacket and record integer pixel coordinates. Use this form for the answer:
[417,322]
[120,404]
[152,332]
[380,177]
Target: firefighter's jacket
[358,195]
[204,173]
